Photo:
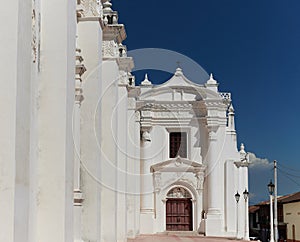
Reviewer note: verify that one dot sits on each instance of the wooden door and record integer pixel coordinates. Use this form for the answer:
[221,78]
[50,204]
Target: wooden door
[179,214]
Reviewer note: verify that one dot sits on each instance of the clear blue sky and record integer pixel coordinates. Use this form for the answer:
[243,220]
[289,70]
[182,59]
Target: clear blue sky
[253,49]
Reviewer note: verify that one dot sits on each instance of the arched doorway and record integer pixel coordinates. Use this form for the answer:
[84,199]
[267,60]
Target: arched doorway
[179,210]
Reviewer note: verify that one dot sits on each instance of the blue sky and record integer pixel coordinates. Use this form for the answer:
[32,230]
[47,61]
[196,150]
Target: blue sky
[253,49]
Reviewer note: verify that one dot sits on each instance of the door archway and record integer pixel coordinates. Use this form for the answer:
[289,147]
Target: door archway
[179,210]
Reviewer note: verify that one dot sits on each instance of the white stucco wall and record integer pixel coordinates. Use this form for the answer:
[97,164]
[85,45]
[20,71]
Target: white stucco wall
[292,217]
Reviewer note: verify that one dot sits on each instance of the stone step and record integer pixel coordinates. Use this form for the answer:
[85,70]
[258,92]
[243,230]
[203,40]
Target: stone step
[183,233]
[181,237]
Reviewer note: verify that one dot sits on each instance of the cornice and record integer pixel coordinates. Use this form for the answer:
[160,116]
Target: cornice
[114,32]
[125,63]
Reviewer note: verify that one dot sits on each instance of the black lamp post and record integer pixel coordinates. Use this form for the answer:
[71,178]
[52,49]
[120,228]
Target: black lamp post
[237,199]
[246,196]
[271,188]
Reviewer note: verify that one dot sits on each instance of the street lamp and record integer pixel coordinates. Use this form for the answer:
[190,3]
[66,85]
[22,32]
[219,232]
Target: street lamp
[271,188]
[246,195]
[237,199]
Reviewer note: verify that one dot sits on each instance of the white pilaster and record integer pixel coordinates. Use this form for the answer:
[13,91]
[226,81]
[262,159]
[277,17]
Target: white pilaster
[78,196]
[199,201]
[214,220]
[147,192]
[133,170]
[56,156]
[89,40]
[120,114]
[15,106]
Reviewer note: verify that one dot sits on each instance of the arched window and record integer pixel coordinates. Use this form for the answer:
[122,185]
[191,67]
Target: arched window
[179,192]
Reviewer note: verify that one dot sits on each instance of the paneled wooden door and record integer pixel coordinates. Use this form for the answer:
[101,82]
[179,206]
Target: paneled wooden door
[179,214]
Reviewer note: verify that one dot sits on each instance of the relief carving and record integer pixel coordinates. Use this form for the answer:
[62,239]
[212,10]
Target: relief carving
[157,181]
[200,180]
[109,49]
[90,8]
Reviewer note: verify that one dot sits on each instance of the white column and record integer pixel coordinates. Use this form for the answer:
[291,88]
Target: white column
[246,213]
[237,220]
[214,221]
[275,203]
[56,102]
[213,175]
[246,235]
[241,212]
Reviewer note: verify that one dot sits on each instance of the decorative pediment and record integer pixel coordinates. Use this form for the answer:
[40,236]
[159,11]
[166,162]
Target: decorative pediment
[179,79]
[178,164]
[180,88]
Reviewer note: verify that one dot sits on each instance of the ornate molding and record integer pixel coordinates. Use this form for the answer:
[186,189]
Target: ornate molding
[216,104]
[160,112]
[89,9]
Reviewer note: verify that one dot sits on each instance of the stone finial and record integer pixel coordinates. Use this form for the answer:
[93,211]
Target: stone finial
[231,124]
[231,109]
[178,72]
[242,149]
[212,84]
[146,81]
[211,79]
[107,6]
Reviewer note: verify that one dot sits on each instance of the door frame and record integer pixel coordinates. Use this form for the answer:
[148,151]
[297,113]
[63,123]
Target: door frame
[193,200]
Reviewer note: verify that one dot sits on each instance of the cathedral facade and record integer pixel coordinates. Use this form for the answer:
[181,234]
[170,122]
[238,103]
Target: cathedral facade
[87,155]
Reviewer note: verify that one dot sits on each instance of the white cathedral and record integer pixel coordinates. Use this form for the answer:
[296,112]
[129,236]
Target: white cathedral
[87,155]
